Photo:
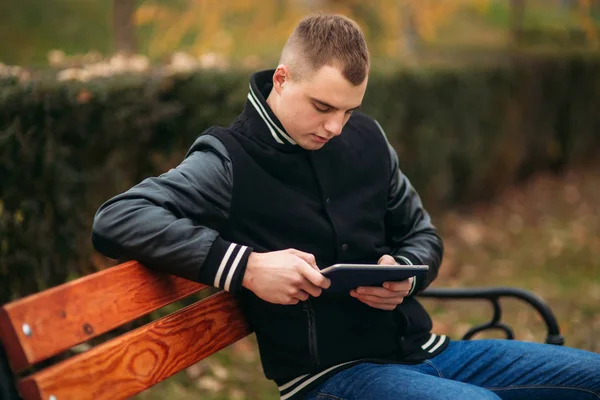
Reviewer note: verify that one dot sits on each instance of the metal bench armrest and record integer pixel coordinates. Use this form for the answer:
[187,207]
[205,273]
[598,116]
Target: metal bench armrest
[493,294]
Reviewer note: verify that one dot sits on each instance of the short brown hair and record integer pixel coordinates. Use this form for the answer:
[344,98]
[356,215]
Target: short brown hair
[333,40]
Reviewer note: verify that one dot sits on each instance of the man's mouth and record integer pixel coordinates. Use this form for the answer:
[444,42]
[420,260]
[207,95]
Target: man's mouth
[320,139]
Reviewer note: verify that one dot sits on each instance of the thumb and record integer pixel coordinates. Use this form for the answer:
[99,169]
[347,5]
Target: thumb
[386,259]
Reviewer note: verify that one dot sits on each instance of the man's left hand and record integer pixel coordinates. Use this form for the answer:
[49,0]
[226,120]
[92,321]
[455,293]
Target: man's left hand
[386,297]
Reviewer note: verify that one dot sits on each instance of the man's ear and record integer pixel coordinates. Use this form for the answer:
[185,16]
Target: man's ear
[280,77]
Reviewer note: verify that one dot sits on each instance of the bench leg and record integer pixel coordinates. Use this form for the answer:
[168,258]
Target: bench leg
[8,389]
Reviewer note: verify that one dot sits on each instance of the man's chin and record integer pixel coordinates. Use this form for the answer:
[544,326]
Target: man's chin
[311,142]
[311,145]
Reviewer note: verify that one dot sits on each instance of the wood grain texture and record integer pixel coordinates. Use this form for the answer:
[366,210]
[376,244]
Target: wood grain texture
[69,314]
[141,358]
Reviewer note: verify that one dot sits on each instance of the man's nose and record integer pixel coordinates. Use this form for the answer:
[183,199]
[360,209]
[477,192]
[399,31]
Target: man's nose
[334,124]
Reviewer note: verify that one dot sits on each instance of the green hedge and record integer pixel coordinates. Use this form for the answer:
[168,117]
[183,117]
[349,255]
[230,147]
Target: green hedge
[462,134]
[466,134]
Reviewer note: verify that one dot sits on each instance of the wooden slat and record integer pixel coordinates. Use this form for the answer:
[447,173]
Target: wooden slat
[141,358]
[74,312]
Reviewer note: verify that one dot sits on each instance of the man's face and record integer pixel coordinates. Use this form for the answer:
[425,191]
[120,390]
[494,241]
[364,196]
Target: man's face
[315,109]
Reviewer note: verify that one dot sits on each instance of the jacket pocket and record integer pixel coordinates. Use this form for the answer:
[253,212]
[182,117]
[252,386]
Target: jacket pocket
[415,318]
[350,330]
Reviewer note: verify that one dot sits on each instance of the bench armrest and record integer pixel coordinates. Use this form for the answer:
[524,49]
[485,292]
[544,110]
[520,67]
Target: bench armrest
[493,294]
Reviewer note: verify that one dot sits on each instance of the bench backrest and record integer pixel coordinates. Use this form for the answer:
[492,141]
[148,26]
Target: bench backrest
[45,324]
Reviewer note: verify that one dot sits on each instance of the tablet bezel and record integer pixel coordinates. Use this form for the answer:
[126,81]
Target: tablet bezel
[383,267]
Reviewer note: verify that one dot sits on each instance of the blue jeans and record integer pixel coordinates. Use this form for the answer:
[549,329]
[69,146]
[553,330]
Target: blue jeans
[476,369]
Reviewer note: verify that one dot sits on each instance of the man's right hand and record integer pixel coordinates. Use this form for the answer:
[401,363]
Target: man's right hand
[284,277]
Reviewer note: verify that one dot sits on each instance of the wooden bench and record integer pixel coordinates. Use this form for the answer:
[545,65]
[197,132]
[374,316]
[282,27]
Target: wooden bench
[37,328]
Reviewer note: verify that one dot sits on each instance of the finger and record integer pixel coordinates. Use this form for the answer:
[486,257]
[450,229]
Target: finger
[291,302]
[311,289]
[309,258]
[399,286]
[381,292]
[397,299]
[379,300]
[314,276]
[386,259]
[387,307]
[300,295]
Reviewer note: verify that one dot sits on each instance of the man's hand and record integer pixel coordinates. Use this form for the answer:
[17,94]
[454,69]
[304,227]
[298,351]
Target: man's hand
[386,297]
[284,277]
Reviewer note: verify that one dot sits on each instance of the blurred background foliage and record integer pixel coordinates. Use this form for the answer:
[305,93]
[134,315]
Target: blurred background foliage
[463,134]
[251,31]
[492,105]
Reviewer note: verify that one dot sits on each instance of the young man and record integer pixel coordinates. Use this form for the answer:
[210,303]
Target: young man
[299,181]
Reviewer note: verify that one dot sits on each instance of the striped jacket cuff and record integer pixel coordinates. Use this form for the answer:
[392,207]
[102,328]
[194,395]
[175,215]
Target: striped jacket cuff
[225,265]
[407,259]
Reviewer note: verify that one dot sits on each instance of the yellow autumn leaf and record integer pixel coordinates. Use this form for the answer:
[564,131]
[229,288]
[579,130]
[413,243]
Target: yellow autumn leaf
[18,217]
[146,13]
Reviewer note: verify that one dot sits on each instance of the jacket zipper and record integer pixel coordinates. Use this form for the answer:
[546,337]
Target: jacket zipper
[312,333]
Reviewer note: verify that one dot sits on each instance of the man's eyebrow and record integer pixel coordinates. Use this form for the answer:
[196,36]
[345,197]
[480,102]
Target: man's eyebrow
[330,106]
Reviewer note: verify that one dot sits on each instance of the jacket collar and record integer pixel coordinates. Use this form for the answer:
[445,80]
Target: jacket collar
[261,84]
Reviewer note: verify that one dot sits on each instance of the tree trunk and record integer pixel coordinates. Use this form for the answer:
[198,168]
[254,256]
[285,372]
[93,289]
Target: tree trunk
[410,32]
[517,13]
[123,27]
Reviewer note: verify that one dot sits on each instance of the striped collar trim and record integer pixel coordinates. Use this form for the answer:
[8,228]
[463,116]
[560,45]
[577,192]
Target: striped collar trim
[259,104]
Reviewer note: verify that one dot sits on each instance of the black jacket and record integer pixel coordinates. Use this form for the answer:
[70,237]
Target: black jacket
[188,222]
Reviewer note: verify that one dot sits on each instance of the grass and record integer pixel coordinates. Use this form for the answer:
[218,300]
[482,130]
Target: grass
[543,235]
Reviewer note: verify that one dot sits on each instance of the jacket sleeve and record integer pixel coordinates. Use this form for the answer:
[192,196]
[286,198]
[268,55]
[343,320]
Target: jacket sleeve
[171,222]
[409,230]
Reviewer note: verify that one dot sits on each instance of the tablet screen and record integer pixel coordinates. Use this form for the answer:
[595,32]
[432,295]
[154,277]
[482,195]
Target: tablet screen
[345,277]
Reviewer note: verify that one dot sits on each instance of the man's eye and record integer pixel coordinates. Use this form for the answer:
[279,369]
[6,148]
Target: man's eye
[322,110]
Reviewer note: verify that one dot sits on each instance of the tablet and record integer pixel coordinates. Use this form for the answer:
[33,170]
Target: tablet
[345,277]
